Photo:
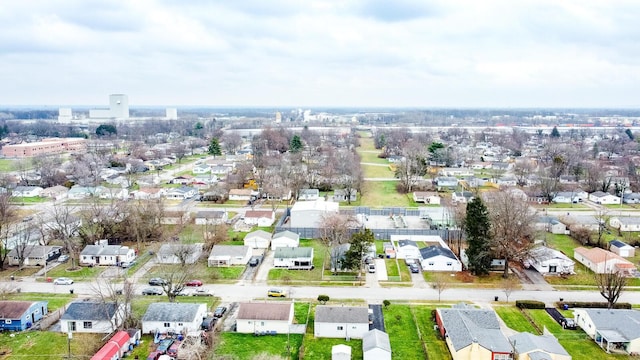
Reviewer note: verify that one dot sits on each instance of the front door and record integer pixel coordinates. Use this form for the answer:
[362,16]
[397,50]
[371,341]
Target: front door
[552,268]
[72,326]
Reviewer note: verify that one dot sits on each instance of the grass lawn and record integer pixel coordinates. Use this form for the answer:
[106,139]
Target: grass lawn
[246,346]
[48,345]
[403,333]
[383,193]
[301,312]
[393,269]
[320,348]
[82,273]
[29,200]
[7,165]
[461,278]
[225,273]
[514,319]
[377,171]
[199,271]
[56,301]
[371,156]
[286,276]
[436,346]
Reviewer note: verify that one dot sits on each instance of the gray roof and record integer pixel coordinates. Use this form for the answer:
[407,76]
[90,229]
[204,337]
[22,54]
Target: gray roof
[89,310]
[627,220]
[210,214]
[342,314]
[376,339]
[548,220]
[464,326]
[229,250]
[171,312]
[173,249]
[259,234]
[278,311]
[433,251]
[526,342]
[542,253]
[32,251]
[402,243]
[293,252]
[287,234]
[617,325]
[104,250]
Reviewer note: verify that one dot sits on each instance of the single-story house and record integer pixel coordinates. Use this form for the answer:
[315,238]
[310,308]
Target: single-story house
[407,249]
[341,195]
[148,193]
[527,346]
[472,333]
[549,261]
[427,197]
[174,317]
[438,258]
[602,261]
[111,193]
[36,255]
[285,239]
[462,197]
[293,258]
[201,169]
[181,193]
[611,328]
[21,315]
[631,198]
[258,239]
[104,254]
[309,214]
[623,249]
[309,195]
[588,222]
[341,321]
[376,345]
[211,217]
[507,181]
[240,194]
[182,180]
[80,192]
[229,255]
[604,198]
[92,317]
[179,253]
[625,223]
[568,197]
[261,218]
[461,171]
[26,191]
[264,317]
[550,224]
[174,218]
[55,192]
[446,182]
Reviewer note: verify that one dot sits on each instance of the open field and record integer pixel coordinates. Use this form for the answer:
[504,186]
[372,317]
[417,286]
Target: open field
[383,193]
[377,171]
[47,345]
[247,346]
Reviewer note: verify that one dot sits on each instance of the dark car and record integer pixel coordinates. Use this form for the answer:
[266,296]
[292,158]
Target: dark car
[414,268]
[152,291]
[193,283]
[157,282]
[208,323]
[219,311]
[254,261]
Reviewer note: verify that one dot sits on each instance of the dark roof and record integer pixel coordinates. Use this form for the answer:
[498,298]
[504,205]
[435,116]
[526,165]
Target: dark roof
[171,312]
[210,214]
[14,309]
[432,251]
[89,310]
[265,311]
[618,243]
[464,326]
[32,251]
[402,243]
[342,314]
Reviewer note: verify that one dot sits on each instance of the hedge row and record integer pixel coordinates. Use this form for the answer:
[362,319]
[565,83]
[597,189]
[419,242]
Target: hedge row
[530,304]
[591,305]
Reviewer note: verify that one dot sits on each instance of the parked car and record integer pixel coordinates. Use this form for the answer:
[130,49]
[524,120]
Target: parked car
[184,292]
[127,264]
[277,293]
[208,323]
[202,292]
[372,268]
[193,283]
[154,355]
[63,281]
[219,311]
[414,268]
[63,258]
[152,291]
[254,261]
[157,281]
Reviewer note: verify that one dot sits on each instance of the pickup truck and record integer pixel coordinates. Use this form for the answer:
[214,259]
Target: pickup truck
[566,323]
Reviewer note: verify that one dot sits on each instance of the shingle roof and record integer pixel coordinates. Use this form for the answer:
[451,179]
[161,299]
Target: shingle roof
[172,312]
[286,234]
[597,255]
[433,251]
[376,339]
[34,250]
[104,250]
[342,314]
[465,326]
[229,250]
[210,214]
[621,323]
[258,214]
[89,310]
[265,311]
[259,234]
[625,220]
[293,252]
[14,309]
[526,342]
[173,249]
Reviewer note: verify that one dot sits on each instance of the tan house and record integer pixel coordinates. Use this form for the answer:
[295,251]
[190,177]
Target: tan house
[601,261]
[527,346]
[264,317]
[427,197]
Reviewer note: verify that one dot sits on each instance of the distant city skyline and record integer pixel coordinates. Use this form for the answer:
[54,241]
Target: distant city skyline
[285,53]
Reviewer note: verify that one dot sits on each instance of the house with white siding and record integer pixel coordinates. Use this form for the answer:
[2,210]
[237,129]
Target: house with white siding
[264,318]
[164,317]
[625,223]
[344,322]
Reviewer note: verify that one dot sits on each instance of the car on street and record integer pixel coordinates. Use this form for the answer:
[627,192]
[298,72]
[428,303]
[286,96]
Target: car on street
[277,293]
[202,292]
[184,292]
[157,282]
[193,283]
[152,291]
[208,323]
[219,311]
[63,281]
[254,261]
[414,268]
[63,258]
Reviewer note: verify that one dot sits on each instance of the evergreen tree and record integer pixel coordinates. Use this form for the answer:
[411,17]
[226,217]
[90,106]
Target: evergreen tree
[295,145]
[214,147]
[476,226]
[358,248]
[555,133]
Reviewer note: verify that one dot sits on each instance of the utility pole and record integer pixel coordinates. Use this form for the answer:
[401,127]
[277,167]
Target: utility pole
[69,337]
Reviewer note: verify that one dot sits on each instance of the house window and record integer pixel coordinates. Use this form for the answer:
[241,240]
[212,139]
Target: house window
[179,324]
[167,325]
[72,326]
[7,321]
[501,356]
[340,327]
[430,263]
[449,264]
[87,324]
[262,323]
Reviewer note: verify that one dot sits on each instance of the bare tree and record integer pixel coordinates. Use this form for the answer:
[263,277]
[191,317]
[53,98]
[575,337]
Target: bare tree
[611,285]
[121,294]
[335,230]
[8,216]
[509,285]
[22,246]
[231,141]
[62,224]
[440,283]
[412,166]
[350,177]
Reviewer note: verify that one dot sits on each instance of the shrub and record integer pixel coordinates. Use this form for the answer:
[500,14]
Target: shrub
[323,299]
[592,304]
[386,303]
[530,304]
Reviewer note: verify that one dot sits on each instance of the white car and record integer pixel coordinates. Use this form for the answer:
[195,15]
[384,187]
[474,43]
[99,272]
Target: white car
[63,281]
[202,292]
[63,258]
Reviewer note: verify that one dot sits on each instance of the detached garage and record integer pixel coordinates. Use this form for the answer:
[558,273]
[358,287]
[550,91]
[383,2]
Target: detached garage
[622,249]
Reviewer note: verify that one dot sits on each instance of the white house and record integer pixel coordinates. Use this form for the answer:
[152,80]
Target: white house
[376,345]
[240,194]
[309,214]
[620,248]
[179,253]
[229,255]
[309,195]
[603,198]
[427,197]
[407,249]
[201,169]
[26,191]
[258,239]
[104,254]
[625,223]
[293,258]
[163,317]
[462,197]
[92,317]
[80,192]
[181,193]
[438,258]
[285,239]
[148,193]
[527,346]
[344,322]
[602,261]
[56,192]
[608,327]
[550,224]
[262,218]
[264,317]
[111,193]
[211,217]
[33,254]
[341,195]
[631,198]
[446,182]
[549,261]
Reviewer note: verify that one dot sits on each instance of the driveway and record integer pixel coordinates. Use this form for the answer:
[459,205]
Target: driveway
[377,317]
[532,280]
[263,269]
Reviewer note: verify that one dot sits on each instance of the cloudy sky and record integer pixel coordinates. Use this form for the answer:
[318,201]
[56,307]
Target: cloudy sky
[390,53]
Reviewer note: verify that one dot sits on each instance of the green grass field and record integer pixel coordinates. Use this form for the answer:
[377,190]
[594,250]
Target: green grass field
[288,276]
[403,333]
[47,345]
[383,193]
[247,346]
[377,171]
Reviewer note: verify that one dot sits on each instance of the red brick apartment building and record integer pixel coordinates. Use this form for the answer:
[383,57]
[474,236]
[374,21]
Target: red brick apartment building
[45,147]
